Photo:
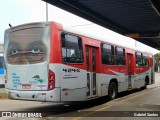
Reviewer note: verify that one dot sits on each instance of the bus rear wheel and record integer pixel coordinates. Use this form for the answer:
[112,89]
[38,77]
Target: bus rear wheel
[112,91]
[146,83]
[144,87]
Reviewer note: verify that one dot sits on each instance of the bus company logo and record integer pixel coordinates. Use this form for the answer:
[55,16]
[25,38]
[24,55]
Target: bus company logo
[37,79]
[71,70]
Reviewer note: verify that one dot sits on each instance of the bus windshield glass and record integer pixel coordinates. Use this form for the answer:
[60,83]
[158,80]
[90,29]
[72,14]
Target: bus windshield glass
[1,62]
[26,46]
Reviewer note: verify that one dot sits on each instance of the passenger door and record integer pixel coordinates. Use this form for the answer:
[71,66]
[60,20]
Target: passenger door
[91,71]
[130,70]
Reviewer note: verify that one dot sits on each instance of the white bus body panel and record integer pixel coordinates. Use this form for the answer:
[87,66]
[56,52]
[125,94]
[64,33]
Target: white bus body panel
[73,86]
[72,82]
[52,95]
[1,70]
[20,75]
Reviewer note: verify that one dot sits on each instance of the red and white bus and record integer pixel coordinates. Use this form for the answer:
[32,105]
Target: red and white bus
[50,62]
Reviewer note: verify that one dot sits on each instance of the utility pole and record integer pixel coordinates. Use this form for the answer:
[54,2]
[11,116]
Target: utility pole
[46,11]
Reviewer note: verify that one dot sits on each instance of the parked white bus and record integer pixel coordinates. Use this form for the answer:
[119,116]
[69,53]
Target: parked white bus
[1,70]
[49,62]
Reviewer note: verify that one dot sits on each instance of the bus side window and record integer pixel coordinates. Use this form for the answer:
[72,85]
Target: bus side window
[71,48]
[145,60]
[142,59]
[120,56]
[107,54]
[138,59]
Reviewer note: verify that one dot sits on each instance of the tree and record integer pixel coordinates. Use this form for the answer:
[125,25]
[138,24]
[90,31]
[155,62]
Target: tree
[157,61]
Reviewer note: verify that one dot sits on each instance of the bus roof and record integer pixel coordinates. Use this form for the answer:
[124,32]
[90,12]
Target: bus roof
[100,35]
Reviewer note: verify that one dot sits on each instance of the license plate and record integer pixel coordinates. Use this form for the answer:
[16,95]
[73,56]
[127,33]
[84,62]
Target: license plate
[26,86]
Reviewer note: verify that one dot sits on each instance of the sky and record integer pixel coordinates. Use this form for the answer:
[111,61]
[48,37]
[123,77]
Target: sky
[18,12]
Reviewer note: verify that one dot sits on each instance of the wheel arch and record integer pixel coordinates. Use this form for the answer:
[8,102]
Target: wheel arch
[115,81]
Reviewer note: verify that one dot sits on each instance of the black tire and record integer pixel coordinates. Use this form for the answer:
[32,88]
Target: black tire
[112,91]
[145,86]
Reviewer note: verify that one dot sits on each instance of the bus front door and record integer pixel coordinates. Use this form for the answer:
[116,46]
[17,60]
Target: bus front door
[91,71]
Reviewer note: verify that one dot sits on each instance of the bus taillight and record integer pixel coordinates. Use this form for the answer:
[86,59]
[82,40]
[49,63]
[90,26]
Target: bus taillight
[51,80]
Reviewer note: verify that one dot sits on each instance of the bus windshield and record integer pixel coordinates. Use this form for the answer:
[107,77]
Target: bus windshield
[26,47]
[1,62]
